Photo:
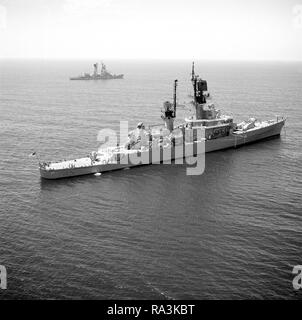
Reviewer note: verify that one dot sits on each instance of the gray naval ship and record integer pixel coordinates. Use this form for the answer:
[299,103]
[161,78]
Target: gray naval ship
[219,132]
[104,75]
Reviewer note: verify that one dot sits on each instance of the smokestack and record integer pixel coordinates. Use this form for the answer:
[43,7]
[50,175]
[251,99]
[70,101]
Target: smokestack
[95,69]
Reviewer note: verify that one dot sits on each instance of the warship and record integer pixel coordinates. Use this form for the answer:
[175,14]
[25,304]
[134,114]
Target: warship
[207,130]
[104,75]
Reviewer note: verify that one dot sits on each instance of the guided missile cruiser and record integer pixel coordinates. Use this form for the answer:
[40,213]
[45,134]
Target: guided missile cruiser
[104,75]
[206,130]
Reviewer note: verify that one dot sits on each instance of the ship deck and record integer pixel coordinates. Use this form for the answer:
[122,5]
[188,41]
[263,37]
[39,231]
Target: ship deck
[109,156]
[70,164]
[105,157]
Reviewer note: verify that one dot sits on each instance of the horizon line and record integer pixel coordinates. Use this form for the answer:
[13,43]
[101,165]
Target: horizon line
[150,59]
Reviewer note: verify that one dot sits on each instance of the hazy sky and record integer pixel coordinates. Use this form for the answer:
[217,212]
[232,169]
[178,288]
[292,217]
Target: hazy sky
[159,29]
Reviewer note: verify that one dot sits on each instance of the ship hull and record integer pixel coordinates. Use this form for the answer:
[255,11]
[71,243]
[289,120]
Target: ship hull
[232,141]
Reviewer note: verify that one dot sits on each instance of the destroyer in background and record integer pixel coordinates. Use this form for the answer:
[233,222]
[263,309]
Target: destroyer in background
[104,75]
[219,132]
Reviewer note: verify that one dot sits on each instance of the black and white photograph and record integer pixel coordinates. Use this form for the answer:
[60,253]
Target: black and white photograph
[150,152]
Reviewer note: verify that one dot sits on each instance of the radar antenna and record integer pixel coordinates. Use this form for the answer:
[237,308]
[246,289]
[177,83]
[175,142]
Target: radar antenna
[193,72]
[175,97]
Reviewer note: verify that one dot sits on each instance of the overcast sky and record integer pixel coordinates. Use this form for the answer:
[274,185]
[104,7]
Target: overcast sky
[157,29]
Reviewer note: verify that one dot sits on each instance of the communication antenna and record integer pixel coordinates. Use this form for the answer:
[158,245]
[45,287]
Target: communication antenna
[193,71]
[174,100]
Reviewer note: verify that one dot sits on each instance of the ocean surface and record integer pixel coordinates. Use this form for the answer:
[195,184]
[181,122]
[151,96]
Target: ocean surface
[152,232]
